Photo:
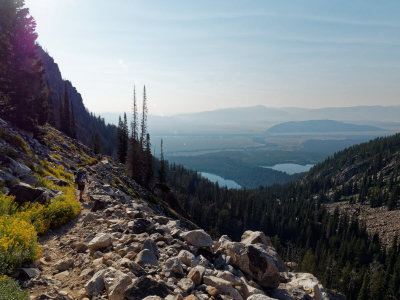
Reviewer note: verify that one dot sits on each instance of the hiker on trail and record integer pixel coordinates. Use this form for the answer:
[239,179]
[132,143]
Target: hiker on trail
[80,180]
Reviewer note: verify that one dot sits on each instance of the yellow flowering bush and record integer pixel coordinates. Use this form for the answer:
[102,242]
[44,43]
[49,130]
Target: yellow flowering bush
[18,243]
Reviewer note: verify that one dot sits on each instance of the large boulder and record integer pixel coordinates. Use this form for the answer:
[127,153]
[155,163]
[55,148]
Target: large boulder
[260,297]
[116,283]
[305,285]
[23,193]
[255,237]
[100,241]
[253,260]
[146,258]
[96,284]
[146,286]
[198,238]
[140,226]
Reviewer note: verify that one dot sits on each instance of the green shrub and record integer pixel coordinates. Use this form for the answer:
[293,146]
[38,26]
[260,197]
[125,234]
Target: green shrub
[7,205]
[10,290]
[15,141]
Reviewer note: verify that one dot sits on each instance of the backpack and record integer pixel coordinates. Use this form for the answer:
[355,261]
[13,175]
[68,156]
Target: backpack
[78,177]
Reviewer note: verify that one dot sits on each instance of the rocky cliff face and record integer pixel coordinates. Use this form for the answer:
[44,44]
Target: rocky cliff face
[128,244]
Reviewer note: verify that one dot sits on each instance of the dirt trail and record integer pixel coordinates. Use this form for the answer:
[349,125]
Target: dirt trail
[56,246]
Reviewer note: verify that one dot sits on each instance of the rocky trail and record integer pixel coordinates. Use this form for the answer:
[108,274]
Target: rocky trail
[124,250]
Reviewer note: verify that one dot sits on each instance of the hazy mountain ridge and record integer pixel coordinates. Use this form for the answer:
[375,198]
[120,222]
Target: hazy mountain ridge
[319,126]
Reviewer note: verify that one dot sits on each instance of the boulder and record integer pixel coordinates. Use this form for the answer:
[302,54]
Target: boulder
[198,238]
[17,168]
[254,261]
[64,264]
[186,257]
[140,226]
[253,237]
[146,286]
[150,245]
[305,282]
[116,283]
[57,181]
[146,258]
[196,274]
[96,284]
[29,179]
[173,265]
[23,193]
[102,240]
[186,284]
[223,286]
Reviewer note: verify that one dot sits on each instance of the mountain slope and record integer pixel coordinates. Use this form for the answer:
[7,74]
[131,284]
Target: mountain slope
[319,126]
[128,244]
[87,124]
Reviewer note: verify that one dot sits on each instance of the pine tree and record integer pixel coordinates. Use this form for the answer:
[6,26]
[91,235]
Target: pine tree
[148,162]
[122,132]
[134,124]
[161,173]
[22,97]
[96,144]
[143,125]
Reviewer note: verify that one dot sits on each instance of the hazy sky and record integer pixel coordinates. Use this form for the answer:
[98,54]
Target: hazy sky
[198,55]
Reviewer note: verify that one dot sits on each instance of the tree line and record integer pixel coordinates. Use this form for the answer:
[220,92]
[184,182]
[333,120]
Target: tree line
[134,147]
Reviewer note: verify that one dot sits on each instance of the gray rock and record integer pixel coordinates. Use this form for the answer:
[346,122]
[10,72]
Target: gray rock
[64,264]
[57,181]
[186,258]
[253,237]
[146,258]
[150,245]
[96,284]
[198,238]
[29,179]
[173,265]
[254,261]
[23,193]
[29,272]
[141,225]
[186,284]
[102,240]
[146,286]
[116,283]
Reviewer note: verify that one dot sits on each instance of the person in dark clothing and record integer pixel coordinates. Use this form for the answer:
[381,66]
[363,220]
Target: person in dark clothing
[80,180]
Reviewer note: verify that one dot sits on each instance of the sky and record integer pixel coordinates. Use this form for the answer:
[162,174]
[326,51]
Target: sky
[202,55]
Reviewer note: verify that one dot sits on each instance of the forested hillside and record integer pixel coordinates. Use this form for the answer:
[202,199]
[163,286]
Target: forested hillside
[335,247]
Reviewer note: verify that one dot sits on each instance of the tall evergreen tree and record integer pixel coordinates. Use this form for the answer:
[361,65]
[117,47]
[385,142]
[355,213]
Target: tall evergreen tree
[123,138]
[148,162]
[161,173]
[143,126]
[22,99]
[96,144]
[134,125]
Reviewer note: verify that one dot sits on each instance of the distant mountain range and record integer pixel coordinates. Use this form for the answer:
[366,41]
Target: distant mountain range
[258,118]
[319,126]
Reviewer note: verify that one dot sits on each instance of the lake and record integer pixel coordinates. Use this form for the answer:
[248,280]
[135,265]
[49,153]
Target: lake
[290,168]
[221,181]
